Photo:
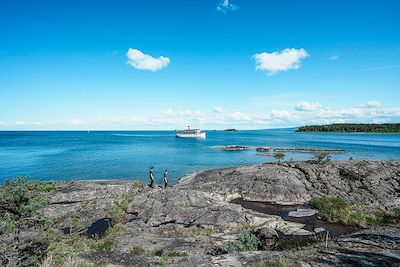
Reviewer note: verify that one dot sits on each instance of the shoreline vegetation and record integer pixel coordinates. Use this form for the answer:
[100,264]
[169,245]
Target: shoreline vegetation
[90,223]
[352,128]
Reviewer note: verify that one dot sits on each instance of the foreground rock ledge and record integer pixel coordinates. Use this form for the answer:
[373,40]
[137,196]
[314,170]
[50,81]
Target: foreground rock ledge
[193,217]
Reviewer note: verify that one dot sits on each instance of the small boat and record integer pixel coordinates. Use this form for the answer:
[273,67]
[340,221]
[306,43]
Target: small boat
[190,133]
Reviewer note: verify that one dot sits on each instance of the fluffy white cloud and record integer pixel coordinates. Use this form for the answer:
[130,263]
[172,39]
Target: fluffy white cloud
[187,113]
[218,110]
[284,60]
[141,61]
[364,114]
[239,116]
[280,114]
[308,106]
[371,104]
[225,6]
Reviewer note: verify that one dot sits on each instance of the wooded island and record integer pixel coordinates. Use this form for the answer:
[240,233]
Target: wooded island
[353,128]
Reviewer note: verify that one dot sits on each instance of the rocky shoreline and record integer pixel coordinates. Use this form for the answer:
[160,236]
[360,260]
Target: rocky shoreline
[194,223]
[280,149]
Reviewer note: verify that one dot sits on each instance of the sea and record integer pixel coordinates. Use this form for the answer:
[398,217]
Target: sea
[60,155]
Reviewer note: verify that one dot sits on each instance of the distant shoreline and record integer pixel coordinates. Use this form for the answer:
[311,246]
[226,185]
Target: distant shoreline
[392,128]
[344,132]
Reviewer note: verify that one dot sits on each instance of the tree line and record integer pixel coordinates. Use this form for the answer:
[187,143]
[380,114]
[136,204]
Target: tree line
[353,128]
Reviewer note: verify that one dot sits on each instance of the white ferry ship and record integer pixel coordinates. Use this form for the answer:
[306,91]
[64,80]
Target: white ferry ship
[190,133]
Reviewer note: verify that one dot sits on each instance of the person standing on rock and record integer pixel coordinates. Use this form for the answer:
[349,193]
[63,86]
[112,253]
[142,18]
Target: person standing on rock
[151,177]
[165,178]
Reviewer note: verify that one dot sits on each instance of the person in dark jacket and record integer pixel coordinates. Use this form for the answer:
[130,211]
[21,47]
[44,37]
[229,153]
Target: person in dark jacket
[165,178]
[151,177]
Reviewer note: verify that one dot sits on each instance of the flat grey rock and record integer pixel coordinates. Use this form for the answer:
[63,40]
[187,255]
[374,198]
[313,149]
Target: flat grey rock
[319,229]
[302,213]
[295,231]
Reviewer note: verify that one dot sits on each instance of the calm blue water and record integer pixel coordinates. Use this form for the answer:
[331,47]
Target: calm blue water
[129,154]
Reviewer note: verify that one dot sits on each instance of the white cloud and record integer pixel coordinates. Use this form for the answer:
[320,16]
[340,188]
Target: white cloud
[371,104]
[280,114]
[218,110]
[366,114]
[239,116]
[225,6]
[169,112]
[308,106]
[141,61]
[76,121]
[209,119]
[187,113]
[284,60]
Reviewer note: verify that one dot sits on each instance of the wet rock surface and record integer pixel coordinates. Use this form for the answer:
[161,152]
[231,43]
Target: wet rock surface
[189,223]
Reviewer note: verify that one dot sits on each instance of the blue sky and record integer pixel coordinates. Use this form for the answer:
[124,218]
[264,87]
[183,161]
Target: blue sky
[210,64]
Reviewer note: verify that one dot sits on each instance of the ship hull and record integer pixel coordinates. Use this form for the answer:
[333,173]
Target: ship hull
[194,135]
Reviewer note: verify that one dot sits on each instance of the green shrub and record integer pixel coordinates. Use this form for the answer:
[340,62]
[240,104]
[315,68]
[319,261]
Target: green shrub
[21,204]
[279,156]
[247,241]
[336,210]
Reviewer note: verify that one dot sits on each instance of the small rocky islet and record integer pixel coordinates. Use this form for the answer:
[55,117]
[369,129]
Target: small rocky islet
[203,219]
[280,149]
